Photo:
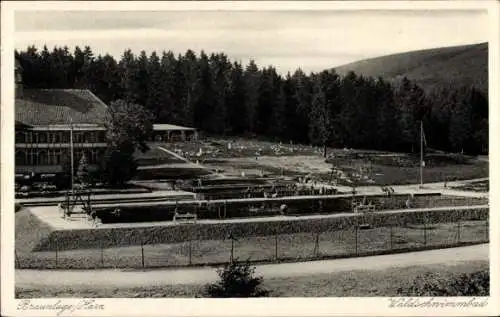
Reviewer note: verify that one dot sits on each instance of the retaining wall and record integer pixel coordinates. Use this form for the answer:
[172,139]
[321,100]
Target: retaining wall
[115,237]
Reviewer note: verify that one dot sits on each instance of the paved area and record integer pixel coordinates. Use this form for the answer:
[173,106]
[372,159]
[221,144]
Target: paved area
[123,278]
[415,188]
[167,194]
[50,215]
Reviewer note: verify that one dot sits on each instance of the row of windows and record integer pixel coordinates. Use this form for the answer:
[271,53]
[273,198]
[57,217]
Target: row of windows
[159,137]
[55,156]
[60,137]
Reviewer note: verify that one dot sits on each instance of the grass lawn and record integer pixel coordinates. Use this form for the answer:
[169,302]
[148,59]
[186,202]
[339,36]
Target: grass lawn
[381,174]
[289,247]
[342,284]
[292,160]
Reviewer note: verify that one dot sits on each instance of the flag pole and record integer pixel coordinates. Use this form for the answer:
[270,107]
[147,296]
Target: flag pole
[71,151]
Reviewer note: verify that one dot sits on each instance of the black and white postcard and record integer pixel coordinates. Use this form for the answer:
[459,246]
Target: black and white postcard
[249,158]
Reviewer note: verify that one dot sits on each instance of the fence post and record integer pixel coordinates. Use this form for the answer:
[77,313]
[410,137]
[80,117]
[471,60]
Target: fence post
[102,255]
[356,236]
[390,237]
[487,231]
[57,249]
[276,245]
[458,231]
[142,253]
[18,264]
[232,249]
[425,232]
[316,245]
[190,250]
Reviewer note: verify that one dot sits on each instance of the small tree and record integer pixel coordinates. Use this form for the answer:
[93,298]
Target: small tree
[82,173]
[128,129]
[236,280]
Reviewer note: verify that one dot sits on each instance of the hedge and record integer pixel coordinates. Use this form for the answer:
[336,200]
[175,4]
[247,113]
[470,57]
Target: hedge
[175,233]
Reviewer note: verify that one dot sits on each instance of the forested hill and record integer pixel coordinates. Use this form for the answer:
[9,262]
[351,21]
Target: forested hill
[210,92]
[465,65]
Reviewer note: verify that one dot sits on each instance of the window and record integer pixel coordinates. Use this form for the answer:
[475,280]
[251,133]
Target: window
[33,157]
[102,137]
[57,157]
[54,157]
[77,137]
[57,137]
[20,157]
[93,156]
[42,137]
[43,158]
[85,137]
[65,137]
[19,137]
[28,136]
[93,137]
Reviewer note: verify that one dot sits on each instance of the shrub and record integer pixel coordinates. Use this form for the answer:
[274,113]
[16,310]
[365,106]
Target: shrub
[236,280]
[432,284]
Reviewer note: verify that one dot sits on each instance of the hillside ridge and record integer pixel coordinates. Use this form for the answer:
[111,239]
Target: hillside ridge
[464,65]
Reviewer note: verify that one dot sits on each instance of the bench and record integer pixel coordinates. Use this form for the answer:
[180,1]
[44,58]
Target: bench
[364,208]
[185,218]
[388,190]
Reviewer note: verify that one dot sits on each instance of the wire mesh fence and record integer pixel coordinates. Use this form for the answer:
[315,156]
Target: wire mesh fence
[360,240]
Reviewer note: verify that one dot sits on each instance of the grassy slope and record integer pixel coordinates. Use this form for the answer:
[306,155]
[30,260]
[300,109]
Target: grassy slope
[465,65]
[290,246]
[29,231]
[342,284]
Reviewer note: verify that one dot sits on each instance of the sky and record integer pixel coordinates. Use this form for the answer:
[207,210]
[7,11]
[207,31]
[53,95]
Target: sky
[310,40]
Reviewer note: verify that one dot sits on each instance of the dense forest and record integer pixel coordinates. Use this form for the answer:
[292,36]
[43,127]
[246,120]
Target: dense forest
[224,97]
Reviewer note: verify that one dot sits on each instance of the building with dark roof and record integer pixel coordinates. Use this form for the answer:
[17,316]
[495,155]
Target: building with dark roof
[46,118]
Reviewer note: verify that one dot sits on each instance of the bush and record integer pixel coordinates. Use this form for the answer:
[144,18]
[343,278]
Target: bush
[432,284]
[17,207]
[236,280]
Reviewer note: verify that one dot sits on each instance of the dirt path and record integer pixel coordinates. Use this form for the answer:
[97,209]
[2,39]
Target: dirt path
[123,278]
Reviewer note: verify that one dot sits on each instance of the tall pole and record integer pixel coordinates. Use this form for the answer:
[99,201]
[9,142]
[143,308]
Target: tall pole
[421,153]
[71,151]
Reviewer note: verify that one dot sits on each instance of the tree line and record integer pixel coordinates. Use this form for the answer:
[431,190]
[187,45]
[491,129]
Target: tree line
[224,97]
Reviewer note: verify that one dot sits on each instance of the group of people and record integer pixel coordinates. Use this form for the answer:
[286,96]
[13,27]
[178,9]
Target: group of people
[286,190]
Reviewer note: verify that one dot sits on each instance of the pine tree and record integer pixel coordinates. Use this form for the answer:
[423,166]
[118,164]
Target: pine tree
[388,134]
[237,113]
[278,119]
[461,130]
[128,73]
[154,87]
[413,105]
[319,130]
[167,110]
[252,77]
[302,95]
